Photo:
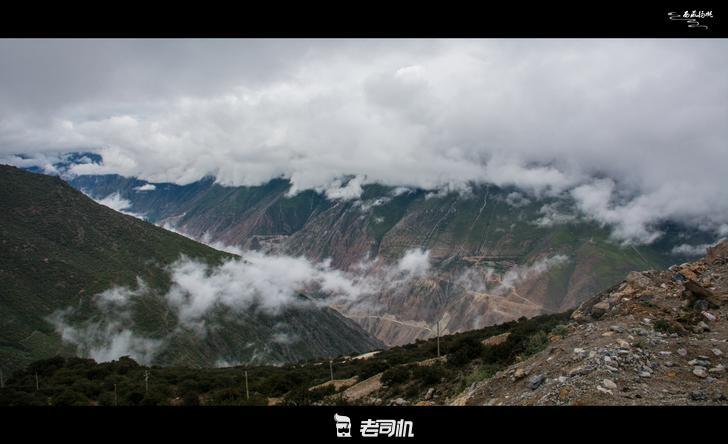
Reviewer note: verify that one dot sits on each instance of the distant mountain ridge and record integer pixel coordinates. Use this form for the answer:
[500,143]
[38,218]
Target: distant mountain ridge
[474,239]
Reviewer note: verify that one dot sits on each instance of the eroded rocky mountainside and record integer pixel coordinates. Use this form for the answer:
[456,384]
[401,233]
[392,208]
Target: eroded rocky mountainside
[659,337]
[60,250]
[496,253]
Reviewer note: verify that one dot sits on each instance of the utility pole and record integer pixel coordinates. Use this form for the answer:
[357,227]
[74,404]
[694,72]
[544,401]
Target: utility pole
[116,398]
[247,394]
[146,381]
[331,369]
[37,387]
[438,339]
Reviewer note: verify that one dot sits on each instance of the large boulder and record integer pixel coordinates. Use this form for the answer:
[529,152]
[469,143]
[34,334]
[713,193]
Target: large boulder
[717,253]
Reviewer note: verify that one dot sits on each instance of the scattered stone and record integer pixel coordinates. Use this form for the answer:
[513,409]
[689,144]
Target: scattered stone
[637,280]
[701,327]
[603,390]
[598,310]
[519,374]
[429,393]
[717,352]
[698,396]
[608,383]
[536,381]
[617,328]
[645,374]
[682,352]
[700,372]
[709,316]
[496,340]
[717,369]
[563,394]
[622,343]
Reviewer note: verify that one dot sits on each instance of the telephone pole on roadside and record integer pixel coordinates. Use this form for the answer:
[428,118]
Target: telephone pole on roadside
[438,339]
[146,381]
[247,393]
[37,386]
[331,369]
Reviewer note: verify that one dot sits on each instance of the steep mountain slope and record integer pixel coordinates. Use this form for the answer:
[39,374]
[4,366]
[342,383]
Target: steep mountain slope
[496,253]
[60,249]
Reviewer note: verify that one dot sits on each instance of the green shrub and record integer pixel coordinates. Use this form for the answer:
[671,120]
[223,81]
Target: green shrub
[465,350]
[191,398]
[395,375]
[70,398]
[428,374]
[536,343]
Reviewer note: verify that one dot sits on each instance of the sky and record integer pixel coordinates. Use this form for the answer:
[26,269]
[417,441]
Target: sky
[633,130]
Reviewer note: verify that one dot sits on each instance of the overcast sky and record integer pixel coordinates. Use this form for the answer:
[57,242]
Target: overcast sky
[634,130]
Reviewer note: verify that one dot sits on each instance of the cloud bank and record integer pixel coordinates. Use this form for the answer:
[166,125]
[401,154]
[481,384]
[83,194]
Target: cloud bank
[633,130]
[255,281]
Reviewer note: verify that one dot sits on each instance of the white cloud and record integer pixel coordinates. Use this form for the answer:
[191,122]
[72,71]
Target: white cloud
[146,187]
[520,273]
[415,262]
[552,215]
[488,280]
[517,200]
[544,115]
[255,281]
[694,250]
[117,203]
[110,335]
[349,191]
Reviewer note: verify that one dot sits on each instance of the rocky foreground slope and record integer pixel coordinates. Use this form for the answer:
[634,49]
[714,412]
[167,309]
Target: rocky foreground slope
[659,337]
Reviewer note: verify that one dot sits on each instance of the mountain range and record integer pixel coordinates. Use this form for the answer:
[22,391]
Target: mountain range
[495,253]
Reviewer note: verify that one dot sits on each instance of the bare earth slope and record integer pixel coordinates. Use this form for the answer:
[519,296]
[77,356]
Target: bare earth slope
[659,337]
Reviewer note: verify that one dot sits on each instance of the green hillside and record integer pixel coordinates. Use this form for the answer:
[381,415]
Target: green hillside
[59,248]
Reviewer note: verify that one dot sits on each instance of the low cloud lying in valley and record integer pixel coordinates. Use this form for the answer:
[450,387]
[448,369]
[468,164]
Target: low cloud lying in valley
[255,281]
